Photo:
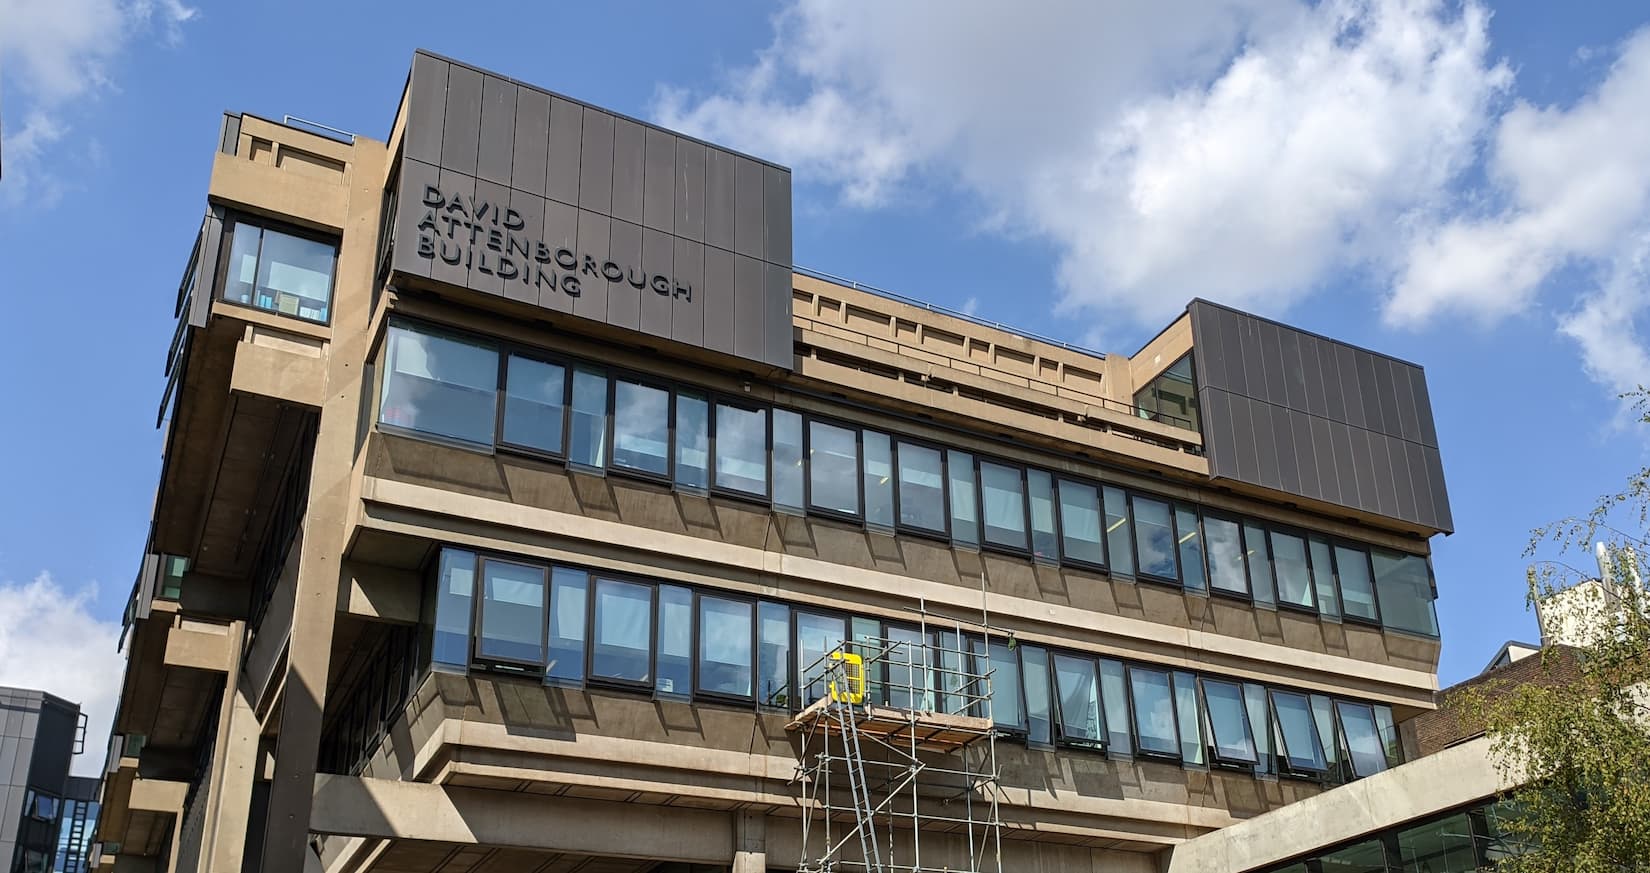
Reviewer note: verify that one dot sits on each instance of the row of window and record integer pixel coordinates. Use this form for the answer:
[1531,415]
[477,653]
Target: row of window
[1460,842]
[576,627]
[469,391]
[372,701]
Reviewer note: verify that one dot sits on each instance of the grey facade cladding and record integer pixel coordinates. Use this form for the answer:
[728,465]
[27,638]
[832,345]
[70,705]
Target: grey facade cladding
[662,234]
[1297,413]
[37,740]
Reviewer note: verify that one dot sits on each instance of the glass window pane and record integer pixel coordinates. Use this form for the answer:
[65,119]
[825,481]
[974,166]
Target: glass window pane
[535,394]
[1323,715]
[1294,577]
[1405,589]
[1323,579]
[1005,688]
[1189,718]
[588,443]
[1119,539]
[641,428]
[692,441]
[295,276]
[512,612]
[865,635]
[1260,721]
[1225,550]
[833,467]
[773,654]
[965,516]
[1079,690]
[241,276]
[1234,742]
[673,663]
[1363,738]
[1153,701]
[622,632]
[787,459]
[454,589]
[725,646]
[1390,742]
[1357,592]
[568,591]
[1003,500]
[1040,489]
[1191,548]
[1080,522]
[1114,694]
[742,449]
[1039,705]
[921,487]
[1439,847]
[1260,567]
[952,674]
[910,682]
[816,635]
[1301,746]
[1365,857]
[879,479]
[439,385]
[1154,538]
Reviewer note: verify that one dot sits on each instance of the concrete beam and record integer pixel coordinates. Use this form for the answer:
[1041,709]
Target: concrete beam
[200,645]
[157,795]
[269,368]
[383,593]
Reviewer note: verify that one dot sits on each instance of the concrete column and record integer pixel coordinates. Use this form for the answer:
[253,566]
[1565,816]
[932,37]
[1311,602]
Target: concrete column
[320,570]
[231,804]
[750,850]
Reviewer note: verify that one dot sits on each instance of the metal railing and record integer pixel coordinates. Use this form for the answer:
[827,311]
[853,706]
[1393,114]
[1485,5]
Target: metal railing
[318,128]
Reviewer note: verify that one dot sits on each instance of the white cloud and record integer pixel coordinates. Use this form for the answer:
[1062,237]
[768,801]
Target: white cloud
[49,640]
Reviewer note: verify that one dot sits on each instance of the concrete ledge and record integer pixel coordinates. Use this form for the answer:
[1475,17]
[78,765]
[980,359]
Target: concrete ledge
[198,648]
[270,371]
[157,795]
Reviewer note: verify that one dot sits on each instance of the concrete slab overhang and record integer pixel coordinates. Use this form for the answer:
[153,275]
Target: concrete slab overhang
[200,644]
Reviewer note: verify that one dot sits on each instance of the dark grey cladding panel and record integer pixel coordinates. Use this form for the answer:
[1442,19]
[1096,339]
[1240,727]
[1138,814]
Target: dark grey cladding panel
[512,191]
[1307,416]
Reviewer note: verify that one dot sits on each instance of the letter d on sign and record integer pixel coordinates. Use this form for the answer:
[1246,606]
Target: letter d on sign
[432,197]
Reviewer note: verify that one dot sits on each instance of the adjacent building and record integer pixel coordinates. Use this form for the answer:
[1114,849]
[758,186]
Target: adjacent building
[526,507]
[43,810]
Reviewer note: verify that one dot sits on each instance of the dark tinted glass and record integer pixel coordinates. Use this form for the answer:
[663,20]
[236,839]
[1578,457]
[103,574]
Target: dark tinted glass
[439,385]
[1154,711]
[1003,499]
[921,487]
[1154,538]
[833,467]
[742,449]
[1405,589]
[535,395]
[641,428]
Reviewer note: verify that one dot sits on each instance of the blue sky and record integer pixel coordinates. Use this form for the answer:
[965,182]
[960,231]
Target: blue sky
[1461,186]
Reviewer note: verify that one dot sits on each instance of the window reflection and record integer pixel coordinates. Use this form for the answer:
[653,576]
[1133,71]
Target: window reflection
[1154,538]
[455,585]
[921,487]
[1154,713]
[773,654]
[1039,706]
[1225,550]
[1003,498]
[878,479]
[535,395]
[1363,738]
[965,517]
[1405,589]
[673,664]
[833,468]
[439,385]
[725,646]
[1040,489]
[621,641]
[1357,592]
[568,591]
[1078,686]
[787,459]
[1080,522]
[742,449]
[1119,539]
[1301,746]
[512,612]
[1191,548]
[1293,575]
[588,444]
[280,272]
[641,428]
[692,441]
[1234,742]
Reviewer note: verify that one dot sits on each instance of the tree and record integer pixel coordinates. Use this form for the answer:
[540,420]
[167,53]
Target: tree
[1581,746]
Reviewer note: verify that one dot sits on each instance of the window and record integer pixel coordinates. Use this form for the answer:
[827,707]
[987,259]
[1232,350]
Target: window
[1188,716]
[725,658]
[1405,588]
[1357,593]
[921,487]
[568,592]
[1114,695]
[1006,711]
[1363,738]
[535,400]
[641,428]
[1225,550]
[622,632]
[816,636]
[1154,711]
[1260,720]
[787,459]
[1323,715]
[439,385]
[1323,579]
[1293,573]
[1260,568]
[1191,548]
[673,662]
[1044,543]
[833,468]
[588,443]
[1389,736]
[1080,523]
[742,449]
[965,516]
[773,654]
[909,680]
[1078,688]
[1119,547]
[1364,857]
[879,479]
[1445,846]
[454,588]
[512,612]
[1154,538]
[692,441]
[280,272]
[1302,749]
[1003,501]
[865,635]
[1039,705]
[1171,398]
[1234,742]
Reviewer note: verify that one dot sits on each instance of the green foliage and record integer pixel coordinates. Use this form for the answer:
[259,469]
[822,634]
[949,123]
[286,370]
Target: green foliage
[1582,743]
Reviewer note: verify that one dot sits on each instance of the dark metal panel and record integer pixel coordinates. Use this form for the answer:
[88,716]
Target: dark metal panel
[719,300]
[1363,470]
[719,199]
[416,178]
[461,127]
[561,179]
[522,249]
[1254,359]
[1340,435]
[748,316]
[687,316]
[1243,440]
[1283,437]
[595,233]
[776,215]
[1217,432]
[426,110]
[1323,454]
[1415,461]
[1230,376]
[1423,407]
[497,149]
[1207,357]
[624,299]
[1265,443]
[1404,396]
[1386,395]
[629,164]
[658,251]
[561,236]
[532,141]
[1271,359]
[1334,391]
[1352,392]
[229,141]
[596,162]
[1312,374]
[1440,493]
[490,201]
[1401,479]
[463,185]
[1380,459]
[690,190]
[748,226]
[1370,392]
[1294,372]
[780,343]
[659,182]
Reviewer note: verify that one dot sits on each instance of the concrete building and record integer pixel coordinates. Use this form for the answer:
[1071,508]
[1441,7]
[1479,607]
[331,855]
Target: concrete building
[39,736]
[525,507]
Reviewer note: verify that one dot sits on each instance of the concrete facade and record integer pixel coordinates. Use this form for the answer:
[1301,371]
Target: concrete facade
[339,444]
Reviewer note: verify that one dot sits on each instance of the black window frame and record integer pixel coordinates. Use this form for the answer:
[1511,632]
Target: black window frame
[1058,554]
[233,218]
[591,679]
[1061,738]
[478,616]
[499,442]
[1286,764]
[1167,672]
[698,642]
[1177,580]
[900,526]
[1214,744]
[1336,544]
[1245,596]
[1306,550]
[439,329]
[614,377]
[1100,530]
[986,544]
[813,509]
[658,637]
[718,400]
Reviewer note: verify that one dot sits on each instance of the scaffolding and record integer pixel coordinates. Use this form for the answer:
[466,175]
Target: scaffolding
[898,742]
